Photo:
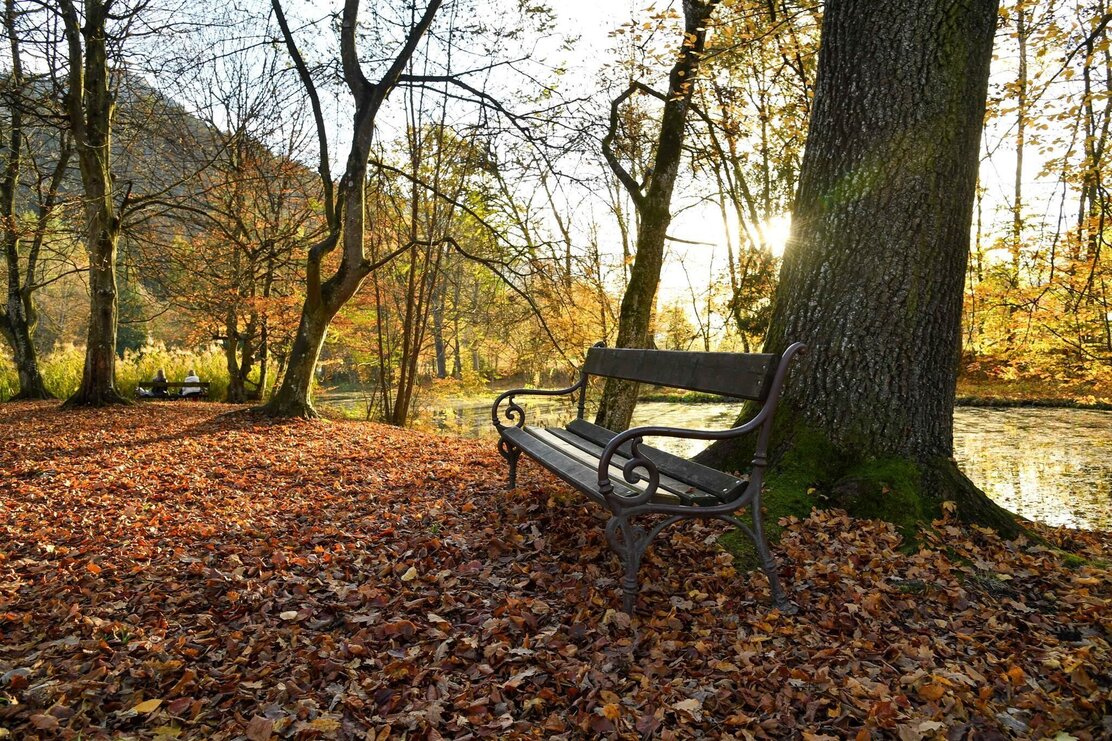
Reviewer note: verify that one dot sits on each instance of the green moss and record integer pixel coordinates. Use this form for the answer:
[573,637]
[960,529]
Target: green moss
[812,472]
[885,489]
[789,491]
[1071,561]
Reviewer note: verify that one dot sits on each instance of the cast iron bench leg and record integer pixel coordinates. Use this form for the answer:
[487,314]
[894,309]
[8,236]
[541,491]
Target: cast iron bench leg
[630,548]
[768,564]
[511,453]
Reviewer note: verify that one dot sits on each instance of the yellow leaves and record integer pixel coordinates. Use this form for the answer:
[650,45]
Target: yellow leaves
[410,574]
[325,725]
[1087,581]
[691,707]
[146,707]
[1016,675]
[611,711]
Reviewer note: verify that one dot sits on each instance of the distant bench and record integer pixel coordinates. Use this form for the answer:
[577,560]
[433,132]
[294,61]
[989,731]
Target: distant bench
[161,390]
[618,472]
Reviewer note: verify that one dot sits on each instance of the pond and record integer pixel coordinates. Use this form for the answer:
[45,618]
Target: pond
[1053,465]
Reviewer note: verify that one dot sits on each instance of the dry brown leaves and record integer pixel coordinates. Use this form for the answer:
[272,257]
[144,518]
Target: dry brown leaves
[169,572]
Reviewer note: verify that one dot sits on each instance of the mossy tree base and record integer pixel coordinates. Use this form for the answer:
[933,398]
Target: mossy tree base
[811,472]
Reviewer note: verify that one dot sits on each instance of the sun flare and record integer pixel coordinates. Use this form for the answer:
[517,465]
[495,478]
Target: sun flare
[775,233]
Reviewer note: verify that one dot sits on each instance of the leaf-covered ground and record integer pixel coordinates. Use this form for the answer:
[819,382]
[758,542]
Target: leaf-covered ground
[170,570]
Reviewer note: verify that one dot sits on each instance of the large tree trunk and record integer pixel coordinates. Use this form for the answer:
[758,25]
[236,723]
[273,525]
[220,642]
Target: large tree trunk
[654,207]
[89,107]
[98,379]
[873,277]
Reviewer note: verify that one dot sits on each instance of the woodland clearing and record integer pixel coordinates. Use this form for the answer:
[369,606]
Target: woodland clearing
[197,571]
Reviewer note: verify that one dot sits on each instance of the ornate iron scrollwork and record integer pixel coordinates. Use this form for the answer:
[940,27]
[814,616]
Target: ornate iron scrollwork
[640,468]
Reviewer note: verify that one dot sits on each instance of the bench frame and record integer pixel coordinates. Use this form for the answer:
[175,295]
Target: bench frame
[627,539]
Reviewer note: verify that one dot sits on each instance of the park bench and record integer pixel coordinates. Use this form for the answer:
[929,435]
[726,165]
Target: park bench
[630,479]
[166,386]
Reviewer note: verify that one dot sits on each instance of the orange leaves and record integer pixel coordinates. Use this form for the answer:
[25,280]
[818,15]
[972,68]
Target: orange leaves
[358,580]
[932,692]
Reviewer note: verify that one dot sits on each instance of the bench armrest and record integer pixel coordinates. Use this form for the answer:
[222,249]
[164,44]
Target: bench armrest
[639,467]
[516,415]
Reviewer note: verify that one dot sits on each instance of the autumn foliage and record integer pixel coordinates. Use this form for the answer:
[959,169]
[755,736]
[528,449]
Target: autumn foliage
[193,571]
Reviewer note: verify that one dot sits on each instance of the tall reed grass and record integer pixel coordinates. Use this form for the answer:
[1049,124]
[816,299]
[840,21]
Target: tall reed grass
[61,369]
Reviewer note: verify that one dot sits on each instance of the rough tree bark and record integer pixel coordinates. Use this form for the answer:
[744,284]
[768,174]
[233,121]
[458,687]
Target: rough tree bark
[653,204]
[872,279]
[89,105]
[344,210]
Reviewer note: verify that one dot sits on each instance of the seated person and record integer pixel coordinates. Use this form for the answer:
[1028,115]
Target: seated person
[157,386]
[192,390]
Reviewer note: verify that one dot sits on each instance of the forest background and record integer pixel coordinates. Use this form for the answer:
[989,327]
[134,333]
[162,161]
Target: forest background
[503,236]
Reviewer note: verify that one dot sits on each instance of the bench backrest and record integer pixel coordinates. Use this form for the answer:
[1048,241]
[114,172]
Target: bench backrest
[741,375]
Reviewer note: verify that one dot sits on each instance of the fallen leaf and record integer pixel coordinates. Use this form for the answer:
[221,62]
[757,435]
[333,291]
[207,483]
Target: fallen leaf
[259,729]
[147,706]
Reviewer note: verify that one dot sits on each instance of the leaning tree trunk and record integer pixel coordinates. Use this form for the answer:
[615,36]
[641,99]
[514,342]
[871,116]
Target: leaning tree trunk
[872,279]
[653,206]
[292,399]
[345,211]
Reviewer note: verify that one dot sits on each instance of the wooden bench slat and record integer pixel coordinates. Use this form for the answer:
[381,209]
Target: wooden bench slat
[744,376]
[579,475]
[689,493]
[701,477]
[670,490]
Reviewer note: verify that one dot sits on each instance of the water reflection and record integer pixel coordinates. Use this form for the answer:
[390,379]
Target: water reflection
[1050,465]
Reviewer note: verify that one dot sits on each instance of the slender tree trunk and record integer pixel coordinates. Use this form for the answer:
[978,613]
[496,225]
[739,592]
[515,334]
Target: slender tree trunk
[873,278]
[292,399]
[231,359]
[654,209]
[439,345]
[17,317]
[264,359]
[1022,32]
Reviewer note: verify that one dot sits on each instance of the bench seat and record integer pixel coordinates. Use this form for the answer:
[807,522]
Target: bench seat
[617,471]
[573,454]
